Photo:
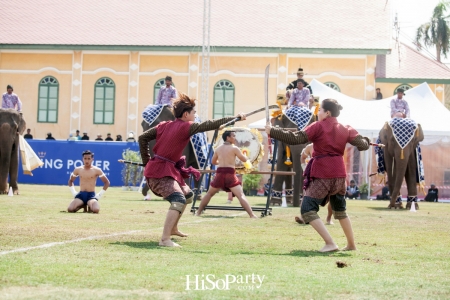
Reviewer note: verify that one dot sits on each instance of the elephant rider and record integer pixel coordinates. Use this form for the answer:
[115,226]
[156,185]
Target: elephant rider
[293,84]
[165,172]
[88,177]
[300,96]
[399,104]
[225,179]
[11,100]
[325,173]
[304,159]
[166,93]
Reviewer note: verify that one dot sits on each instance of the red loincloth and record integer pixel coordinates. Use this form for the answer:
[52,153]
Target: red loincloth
[225,179]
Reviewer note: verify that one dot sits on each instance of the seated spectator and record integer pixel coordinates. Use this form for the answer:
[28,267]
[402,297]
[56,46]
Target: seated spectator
[99,137]
[118,138]
[131,137]
[384,193]
[77,135]
[85,137]
[49,136]
[72,138]
[108,137]
[433,194]
[352,191]
[28,134]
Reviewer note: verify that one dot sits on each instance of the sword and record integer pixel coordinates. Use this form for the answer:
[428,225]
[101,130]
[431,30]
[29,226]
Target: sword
[266,93]
[248,114]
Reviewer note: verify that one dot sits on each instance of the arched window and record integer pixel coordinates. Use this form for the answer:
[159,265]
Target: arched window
[223,99]
[104,98]
[332,85]
[48,100]
[404,86]
[160,83]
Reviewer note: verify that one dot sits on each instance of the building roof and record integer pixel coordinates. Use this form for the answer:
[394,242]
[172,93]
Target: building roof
[306,24]
[413,67]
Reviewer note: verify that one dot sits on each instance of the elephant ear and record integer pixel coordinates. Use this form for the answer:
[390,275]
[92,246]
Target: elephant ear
[22,124]
[19,122]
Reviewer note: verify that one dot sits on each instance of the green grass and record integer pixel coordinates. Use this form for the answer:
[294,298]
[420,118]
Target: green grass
[401,255]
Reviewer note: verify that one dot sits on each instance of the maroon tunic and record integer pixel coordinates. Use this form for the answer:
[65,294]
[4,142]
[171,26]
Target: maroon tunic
[329,139]
[171,139]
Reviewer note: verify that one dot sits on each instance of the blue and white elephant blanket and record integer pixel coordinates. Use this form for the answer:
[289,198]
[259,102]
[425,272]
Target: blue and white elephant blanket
[198,141]
[300,116]
[403,131]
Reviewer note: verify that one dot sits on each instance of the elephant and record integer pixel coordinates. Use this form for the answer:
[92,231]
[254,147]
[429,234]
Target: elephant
[293,184]
[12,125]
[167,115]
[400,163]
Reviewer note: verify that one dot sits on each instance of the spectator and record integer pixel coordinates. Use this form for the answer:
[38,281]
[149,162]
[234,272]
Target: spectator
[118,138]
[11,100]
[352,190]
[99,137]
[28,135]
[379,94]
[49,136]
[131,137]
[85,137]
[433,194]
[72,138]
[384,193]
[166,93]
[77,135]
[108,137]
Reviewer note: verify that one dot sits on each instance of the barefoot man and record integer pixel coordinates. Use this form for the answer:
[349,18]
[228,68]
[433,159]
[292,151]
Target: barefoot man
[165,172]
[225,156]
[88,177]
[325,173]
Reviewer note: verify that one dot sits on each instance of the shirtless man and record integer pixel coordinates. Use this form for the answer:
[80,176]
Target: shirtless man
[88,176]
[225,156]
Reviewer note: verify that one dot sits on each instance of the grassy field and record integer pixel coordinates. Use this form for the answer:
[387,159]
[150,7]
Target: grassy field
[115,254]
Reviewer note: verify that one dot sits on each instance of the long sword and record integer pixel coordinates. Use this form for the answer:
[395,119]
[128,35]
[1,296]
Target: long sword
[266,93]
[248,114]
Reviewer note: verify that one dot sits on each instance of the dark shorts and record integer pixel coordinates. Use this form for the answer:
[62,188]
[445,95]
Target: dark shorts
[166,186]
[225,179]
[86,196]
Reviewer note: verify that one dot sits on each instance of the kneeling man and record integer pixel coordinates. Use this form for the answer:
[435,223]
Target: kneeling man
[88,177]
[225,179]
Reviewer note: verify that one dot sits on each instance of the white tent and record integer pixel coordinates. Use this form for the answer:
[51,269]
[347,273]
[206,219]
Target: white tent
[368,117]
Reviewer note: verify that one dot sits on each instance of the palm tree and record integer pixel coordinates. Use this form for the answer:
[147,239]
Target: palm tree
[436,32]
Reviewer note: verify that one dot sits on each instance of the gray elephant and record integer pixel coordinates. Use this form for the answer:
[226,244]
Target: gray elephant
[296,118]
[196,150]
[402,159]
[11,126]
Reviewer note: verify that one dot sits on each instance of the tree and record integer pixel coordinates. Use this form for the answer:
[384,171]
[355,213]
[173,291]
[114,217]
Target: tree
[436,32]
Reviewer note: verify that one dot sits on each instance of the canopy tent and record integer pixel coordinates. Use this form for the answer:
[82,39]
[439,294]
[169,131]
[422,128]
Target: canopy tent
[368,117]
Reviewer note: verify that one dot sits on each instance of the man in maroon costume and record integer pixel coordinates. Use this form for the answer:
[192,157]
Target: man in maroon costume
[325,173]
[165,172]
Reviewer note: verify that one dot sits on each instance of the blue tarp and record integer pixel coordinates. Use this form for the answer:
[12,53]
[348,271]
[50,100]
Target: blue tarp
[61,157]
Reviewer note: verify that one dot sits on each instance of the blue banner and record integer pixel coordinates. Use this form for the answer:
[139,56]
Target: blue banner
[60,158]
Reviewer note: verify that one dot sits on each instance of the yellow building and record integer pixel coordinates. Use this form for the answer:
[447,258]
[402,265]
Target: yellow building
[97,72]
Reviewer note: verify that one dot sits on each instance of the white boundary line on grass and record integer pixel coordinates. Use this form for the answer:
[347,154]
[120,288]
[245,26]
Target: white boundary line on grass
[101,236]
